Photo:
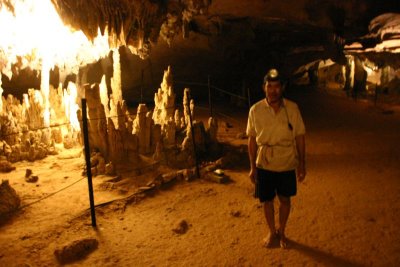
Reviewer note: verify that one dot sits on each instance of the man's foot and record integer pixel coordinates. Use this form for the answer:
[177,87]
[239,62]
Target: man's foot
[269,240]
[282,240]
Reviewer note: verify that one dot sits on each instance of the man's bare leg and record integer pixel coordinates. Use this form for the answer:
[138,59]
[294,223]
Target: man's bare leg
[284,211]
[270,218]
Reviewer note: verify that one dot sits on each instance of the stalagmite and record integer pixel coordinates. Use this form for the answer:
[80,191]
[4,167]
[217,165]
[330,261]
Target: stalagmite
[177,119]
[97,120]
[164,100]
[45,90]
[116,87]
[156,137]
[71,106]
[129,138]
[34,106]
[116,79]
[186,101]
[169,130]
[57,110]
[212,129]
[104,95]
[142,128]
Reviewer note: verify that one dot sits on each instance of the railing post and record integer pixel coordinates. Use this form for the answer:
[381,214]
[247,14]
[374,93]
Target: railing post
[87,158]
[248,97]
[194,142]
[141,87]
[209,96]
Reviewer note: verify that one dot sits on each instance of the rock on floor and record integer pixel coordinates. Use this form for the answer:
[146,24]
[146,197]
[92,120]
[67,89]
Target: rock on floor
[75,251]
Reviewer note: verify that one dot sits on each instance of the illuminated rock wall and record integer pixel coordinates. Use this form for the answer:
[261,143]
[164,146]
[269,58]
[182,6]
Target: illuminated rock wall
[121,136]
[162,134]
[22,126]
[116,137]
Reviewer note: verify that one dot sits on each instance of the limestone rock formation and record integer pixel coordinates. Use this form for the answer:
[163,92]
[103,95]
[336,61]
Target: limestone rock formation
[9,200]
[164,100]
[24,135]
[159,133]
[142,128]
[115,136]
[97,121]
[212,129]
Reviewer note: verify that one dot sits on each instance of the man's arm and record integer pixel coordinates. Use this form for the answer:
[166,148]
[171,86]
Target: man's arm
[301,151]
[252,149]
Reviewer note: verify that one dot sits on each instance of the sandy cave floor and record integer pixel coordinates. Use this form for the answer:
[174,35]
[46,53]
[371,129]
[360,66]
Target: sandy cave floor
[346,212]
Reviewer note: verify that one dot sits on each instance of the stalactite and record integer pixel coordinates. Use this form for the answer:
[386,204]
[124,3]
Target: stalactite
[130,22]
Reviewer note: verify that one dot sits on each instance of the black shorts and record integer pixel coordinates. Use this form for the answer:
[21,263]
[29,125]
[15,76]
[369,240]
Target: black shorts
[270,183]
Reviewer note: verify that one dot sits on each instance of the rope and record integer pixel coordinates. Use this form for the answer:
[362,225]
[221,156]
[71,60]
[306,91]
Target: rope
[68,186]
[49,195]
[216,88]
[229,93]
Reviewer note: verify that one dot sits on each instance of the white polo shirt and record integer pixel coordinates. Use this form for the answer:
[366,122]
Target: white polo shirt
[276,142]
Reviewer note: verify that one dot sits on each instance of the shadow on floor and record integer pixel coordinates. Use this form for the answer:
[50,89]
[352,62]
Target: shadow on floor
[320,256]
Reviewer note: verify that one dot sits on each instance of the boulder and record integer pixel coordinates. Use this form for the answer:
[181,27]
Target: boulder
[76,250]
[9,200]
[6,166]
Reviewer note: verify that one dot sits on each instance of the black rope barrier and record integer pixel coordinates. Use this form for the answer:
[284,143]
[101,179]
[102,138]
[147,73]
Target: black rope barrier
[70,185]
[50,195]
[214,87]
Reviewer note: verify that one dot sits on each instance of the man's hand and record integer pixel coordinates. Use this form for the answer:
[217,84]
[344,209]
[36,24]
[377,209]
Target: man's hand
[253,175]
[301,151]
[252,147]
[301,172]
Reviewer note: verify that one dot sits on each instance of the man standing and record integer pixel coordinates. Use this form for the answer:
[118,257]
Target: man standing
[276,146]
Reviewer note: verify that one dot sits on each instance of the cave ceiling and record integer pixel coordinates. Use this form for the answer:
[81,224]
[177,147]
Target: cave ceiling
[245,35]
[279,31]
